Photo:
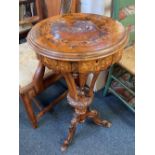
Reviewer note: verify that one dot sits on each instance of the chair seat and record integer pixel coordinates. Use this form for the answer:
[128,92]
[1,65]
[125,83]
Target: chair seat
[128,59]
[28,64]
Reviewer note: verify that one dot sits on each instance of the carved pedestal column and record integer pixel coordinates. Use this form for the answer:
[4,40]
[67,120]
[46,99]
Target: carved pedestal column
[75,45]
[80,97]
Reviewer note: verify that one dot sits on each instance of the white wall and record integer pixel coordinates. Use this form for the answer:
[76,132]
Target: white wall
[93,6]
[101,7]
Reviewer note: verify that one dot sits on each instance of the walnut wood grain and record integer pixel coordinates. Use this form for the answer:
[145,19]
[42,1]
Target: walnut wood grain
[76,45]
[81,100]
[77,37]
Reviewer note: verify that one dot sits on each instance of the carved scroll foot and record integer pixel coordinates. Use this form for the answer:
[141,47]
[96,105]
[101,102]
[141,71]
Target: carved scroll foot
[80,118]
[96,119]
[80,97]
[71,132]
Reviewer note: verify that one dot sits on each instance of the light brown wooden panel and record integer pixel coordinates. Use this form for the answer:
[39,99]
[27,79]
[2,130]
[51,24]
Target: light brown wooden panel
[52,7]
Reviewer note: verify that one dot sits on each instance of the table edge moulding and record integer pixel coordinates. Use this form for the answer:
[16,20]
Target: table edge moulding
[70,52]
[75,45]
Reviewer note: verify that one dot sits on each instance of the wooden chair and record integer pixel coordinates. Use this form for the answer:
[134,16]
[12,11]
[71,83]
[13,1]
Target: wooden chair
[124,12]
[34,77]
[31,84]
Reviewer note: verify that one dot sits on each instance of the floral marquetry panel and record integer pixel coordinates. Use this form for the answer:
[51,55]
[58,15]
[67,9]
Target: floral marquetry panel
[82,66]
[75,45]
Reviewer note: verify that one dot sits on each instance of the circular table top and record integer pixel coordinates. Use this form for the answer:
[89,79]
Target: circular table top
[77,37]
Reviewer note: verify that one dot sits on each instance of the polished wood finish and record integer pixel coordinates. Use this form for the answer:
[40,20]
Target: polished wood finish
[80,97]
[78,37]
[44,9]
[76,45]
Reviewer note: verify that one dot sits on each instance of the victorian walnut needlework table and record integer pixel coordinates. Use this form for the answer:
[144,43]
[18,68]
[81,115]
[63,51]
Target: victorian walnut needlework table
[76,45]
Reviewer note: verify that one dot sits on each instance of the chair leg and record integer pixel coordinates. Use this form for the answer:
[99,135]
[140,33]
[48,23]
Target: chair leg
[29,110]
[108,82]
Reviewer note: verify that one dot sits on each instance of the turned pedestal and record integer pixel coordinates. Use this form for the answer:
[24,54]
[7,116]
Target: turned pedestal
[76,45]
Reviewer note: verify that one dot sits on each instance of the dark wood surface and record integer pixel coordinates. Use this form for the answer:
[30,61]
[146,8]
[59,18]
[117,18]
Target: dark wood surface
[76,45]
[77,37]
